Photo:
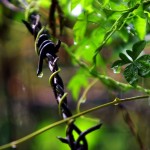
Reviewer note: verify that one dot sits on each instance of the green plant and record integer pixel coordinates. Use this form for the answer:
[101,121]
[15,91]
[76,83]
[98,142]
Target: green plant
[137,65]
[98,26]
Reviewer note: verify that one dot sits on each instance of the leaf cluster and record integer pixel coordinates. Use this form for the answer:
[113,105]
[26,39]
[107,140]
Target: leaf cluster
[104,23]
[136,65]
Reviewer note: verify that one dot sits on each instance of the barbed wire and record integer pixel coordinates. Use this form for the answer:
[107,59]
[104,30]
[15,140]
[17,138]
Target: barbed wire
[46,49]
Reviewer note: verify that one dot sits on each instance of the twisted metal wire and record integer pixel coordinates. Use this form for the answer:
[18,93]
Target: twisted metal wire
[46,49]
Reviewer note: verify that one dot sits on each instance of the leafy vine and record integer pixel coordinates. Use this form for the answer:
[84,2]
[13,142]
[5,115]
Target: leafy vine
[136,65]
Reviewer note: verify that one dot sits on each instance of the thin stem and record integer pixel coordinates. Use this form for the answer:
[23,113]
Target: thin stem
[114,102]
[83,97]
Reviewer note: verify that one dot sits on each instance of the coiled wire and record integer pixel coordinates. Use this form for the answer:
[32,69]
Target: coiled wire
[46,49]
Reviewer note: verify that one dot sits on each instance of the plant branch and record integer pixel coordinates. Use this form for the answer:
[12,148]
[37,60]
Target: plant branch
[83,97]
[114,102]
[105,79]
[117,26]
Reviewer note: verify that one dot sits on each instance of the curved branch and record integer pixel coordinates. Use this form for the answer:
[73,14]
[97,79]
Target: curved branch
[104,79]
[32,135]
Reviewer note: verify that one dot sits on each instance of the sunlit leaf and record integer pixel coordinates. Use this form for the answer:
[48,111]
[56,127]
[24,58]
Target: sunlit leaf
[98,36]
[105,2]
[143,64]
[140,26]
[45,3]
[114,15]
[74,3]
[86,51]
[77,82]
[139,11]
[117,6]
[131,74]
[79,30]
[80,27]
[94,17]
[86,3]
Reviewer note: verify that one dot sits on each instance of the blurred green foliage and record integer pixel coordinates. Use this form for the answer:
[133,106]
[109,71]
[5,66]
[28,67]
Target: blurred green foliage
[107,28]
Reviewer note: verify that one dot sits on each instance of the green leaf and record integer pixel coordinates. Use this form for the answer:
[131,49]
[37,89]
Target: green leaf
[132,3]
[86,3]
[105,2]
[123,34]
[80,27]
[130,53]
[97,36]
[74,3]
[124,58]
[143,64]
[44,3]
[117,63]
[94,17]
[140,26]
[77,82]
[116,66]
[85,50]
[117,6]
[137,49]
[114,15]
[139,11]
[131,74]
